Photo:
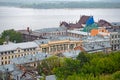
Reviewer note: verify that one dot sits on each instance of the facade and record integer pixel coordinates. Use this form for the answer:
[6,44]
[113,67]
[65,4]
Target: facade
[15,50]
[58,45]
[100,31]
[115,40]
[115,36]
[95,44]
[22,68]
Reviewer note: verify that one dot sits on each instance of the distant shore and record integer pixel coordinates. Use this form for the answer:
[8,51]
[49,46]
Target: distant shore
[62,5]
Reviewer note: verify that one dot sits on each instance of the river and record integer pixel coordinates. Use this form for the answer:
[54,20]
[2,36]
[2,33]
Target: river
[20,18]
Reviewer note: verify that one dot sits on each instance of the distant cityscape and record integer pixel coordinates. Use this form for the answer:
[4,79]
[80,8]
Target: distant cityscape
[67,40]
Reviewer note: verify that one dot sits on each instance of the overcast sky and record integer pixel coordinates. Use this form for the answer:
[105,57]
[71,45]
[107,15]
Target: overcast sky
[85,0]
[66,0]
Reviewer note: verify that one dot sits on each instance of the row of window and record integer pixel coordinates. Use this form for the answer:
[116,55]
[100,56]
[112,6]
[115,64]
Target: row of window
[5,62]
[10,52]
[115,36]
[12,56]
[115,41]
[15,56]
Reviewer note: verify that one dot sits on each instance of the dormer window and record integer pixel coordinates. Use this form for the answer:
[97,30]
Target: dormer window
[18,50]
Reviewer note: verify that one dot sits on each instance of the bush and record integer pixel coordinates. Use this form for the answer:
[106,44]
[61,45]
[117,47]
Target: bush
[116,75]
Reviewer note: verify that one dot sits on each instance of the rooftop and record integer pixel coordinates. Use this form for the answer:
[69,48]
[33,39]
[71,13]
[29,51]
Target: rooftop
[30,58]
[24,45]
[71,54]
[96,43]
[7,68]
[115,23]
[56,38]
[78,32]
[48,30]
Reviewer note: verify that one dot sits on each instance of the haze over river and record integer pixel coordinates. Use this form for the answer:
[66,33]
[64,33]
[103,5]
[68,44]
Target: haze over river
[20,18]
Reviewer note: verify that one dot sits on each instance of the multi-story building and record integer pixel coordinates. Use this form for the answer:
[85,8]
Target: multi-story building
[58,44]
[14,50]
[95,44]
[29,35]
[115,39]
[115,36]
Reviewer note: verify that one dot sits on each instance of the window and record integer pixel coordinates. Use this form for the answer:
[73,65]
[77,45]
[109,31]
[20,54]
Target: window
[5,57]
[5,62]
[5,52]
[9,57]
[12,56]
[12,51]
[18,50]
[2,63]
[2,58]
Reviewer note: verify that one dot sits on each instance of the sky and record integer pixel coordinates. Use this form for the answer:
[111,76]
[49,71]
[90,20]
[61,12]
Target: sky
[67,0]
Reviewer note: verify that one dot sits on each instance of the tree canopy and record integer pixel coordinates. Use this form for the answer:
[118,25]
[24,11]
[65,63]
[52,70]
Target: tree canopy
[10,35]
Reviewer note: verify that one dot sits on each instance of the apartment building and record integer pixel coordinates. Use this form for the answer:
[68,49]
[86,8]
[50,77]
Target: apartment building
[15,50]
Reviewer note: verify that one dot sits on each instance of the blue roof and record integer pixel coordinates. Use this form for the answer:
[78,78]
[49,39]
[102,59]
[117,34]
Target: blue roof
[90,21]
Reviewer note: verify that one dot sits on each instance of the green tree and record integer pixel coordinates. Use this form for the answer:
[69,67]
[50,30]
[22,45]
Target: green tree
[12,35]
[83,58]
[1,41]
[116,75]
[70,67]
[46,67]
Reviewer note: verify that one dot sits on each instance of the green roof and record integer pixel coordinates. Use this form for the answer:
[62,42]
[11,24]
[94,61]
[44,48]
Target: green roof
[88,28]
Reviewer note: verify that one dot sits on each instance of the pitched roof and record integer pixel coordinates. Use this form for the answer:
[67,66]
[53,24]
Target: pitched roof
[103,23]
[90,21]
[83,19]
[24,45]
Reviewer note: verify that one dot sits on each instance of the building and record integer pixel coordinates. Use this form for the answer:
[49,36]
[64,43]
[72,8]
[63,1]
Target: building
[95,44]
[100,31]
[29,35]
[76,25]
[115,39]
[77,33]
[22,68]
[59,31]
[15,50]
[58,44]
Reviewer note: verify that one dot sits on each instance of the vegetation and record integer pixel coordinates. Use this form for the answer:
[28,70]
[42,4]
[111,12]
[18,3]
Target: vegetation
[1,41]
[93,66]
[10,35]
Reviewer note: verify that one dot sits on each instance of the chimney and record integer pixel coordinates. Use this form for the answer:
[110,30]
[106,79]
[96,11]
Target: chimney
[28,29]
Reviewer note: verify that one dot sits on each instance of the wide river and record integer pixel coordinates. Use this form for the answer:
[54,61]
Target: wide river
[20,18]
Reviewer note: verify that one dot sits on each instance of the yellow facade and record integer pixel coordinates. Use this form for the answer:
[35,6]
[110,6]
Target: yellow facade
[56,47]
[6,56]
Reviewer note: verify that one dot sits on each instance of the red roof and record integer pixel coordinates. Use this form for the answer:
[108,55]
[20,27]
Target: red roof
[82,20]
[79,48]
[103,23]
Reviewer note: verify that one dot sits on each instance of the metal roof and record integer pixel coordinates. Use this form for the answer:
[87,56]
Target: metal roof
[78,32]
[48,30]
[24,45]
[30,58]
[71,54]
